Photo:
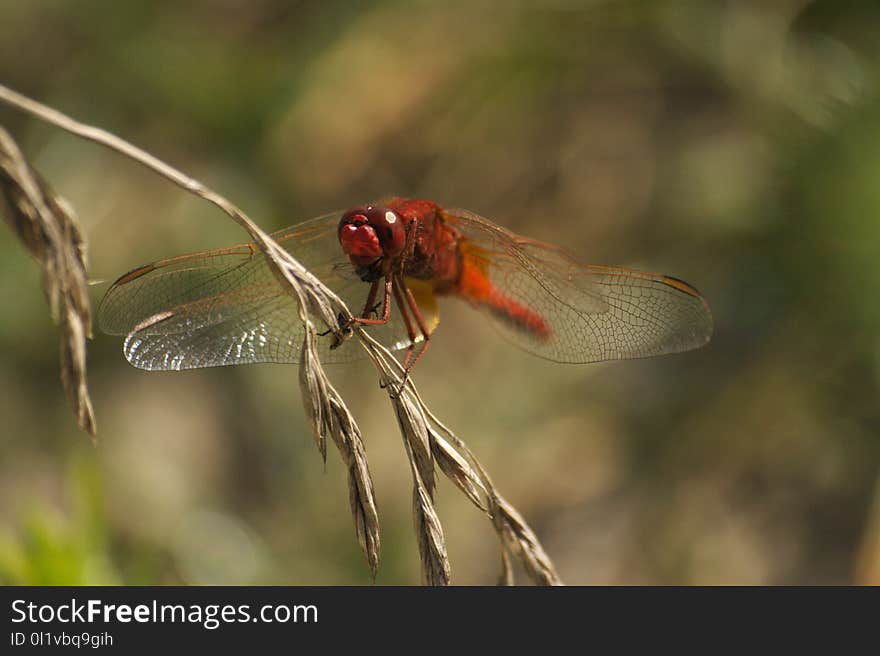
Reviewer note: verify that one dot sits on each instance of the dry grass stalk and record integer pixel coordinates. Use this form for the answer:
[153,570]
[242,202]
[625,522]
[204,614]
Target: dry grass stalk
[505,577]
[426,439]
[429,531]
[330,417]
[457,469]
[414,429]
[47,227]
[515,535]
[315,397]
[519,539]
[416,440]
[460,465]
[360,485]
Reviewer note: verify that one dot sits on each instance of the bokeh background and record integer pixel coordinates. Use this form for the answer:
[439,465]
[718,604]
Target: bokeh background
[732,144]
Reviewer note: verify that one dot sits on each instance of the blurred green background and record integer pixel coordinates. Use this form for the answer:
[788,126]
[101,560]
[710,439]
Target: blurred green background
[732,144]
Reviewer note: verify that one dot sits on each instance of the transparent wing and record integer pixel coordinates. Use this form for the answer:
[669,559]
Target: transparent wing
[225,306]
[593,313]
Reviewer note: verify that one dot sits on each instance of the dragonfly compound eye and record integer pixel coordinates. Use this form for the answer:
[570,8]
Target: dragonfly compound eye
[368,233]
[389,227]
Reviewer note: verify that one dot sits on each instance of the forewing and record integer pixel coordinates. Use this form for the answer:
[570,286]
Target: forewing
[594,313]
[226,307]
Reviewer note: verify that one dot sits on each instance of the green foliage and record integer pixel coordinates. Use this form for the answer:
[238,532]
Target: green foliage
[50,547]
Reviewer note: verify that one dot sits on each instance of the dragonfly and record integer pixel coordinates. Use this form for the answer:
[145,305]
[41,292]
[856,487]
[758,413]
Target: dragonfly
[391,261]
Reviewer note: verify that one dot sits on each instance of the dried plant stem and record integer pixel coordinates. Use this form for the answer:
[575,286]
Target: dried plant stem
[281,261]
[428,442]
[330,416]
[460,465]
[46,225]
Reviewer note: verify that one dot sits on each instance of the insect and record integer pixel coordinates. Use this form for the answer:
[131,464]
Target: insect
[392,261]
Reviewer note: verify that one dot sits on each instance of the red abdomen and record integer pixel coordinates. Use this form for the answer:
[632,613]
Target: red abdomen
[475,286]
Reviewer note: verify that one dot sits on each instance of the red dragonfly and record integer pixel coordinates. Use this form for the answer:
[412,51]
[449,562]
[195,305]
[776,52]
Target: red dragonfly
[225,306]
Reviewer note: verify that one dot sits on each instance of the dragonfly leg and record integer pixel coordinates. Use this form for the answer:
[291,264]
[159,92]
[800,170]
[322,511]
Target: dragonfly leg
[370,306]
[386,307]
[410,328]
[409,361]
[426,334]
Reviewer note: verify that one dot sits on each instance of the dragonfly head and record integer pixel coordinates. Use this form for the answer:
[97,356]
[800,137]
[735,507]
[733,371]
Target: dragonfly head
[369,233]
